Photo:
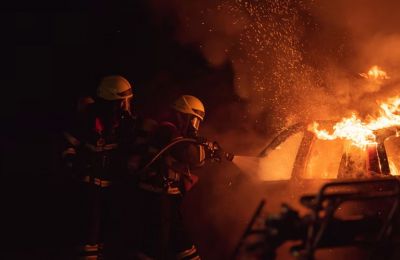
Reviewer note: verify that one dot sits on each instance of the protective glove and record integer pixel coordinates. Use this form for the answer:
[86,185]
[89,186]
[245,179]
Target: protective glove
[214,151]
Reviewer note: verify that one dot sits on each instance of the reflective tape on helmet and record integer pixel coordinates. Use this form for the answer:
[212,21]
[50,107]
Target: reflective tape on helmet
[126,93]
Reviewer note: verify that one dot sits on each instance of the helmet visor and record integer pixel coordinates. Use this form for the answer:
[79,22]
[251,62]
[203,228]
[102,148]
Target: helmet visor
[126,104]
[195,122]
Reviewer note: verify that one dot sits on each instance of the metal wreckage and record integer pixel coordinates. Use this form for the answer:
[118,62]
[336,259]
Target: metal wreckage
[357,211]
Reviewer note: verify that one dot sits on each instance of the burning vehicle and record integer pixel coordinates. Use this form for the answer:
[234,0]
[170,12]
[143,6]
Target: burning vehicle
[350,178]
[302,157]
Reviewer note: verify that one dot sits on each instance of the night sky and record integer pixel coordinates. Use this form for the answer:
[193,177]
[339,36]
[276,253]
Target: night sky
[61,52]
[58,52]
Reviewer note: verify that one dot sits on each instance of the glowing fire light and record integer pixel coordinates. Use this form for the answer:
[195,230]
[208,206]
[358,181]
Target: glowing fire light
[393,170]
[375,73]
[362,133]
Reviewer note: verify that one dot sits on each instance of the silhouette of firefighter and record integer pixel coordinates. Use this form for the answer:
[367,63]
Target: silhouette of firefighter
[165,175]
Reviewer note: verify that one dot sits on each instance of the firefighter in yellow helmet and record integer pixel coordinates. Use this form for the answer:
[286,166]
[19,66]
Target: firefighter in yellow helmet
[98,145]
[116,89]
[190,114]
[174,151]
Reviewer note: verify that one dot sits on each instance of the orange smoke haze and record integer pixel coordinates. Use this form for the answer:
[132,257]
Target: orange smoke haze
[293,61]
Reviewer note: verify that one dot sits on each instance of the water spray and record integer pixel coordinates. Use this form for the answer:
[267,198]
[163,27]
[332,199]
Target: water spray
[247,164]
[216,152]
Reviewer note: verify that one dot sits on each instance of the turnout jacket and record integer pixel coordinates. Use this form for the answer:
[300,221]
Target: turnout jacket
[98,151]
[171,173]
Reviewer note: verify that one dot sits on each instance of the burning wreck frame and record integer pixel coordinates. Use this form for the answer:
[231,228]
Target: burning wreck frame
[375,158]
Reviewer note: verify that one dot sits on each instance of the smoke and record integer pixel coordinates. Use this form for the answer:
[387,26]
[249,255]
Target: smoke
[293,60]
[371,36]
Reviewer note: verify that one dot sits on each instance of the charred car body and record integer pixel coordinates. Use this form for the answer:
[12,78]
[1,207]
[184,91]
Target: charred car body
[359,209]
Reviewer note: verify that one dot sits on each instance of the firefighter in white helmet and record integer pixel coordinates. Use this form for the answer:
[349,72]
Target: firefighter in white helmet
[176,151]
[97,149]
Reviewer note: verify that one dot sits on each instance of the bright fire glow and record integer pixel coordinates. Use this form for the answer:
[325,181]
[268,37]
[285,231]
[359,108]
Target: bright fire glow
[362,133]
[375,73]
[393,169]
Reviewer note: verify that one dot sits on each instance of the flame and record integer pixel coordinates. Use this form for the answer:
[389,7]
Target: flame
[375,73]
[362,133]
[393,169]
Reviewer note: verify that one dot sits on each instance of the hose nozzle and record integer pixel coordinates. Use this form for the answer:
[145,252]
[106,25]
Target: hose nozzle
[214,150]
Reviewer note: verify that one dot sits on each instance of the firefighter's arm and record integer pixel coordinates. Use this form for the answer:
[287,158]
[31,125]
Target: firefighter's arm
[189,157]
[195,154]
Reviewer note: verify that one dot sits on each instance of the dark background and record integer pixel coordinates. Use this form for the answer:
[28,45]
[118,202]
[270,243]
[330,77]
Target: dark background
[54,53]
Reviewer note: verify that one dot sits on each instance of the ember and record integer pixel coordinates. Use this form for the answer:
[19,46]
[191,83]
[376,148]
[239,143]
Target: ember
[375,73]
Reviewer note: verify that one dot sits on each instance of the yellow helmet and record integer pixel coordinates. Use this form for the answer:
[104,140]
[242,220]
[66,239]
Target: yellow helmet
[189,105]
[114,88]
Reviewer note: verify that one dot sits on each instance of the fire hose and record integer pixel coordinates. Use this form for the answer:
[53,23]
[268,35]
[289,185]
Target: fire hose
[213,147]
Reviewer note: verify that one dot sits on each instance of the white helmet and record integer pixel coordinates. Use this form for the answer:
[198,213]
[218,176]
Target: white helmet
[114,88]
[190,105]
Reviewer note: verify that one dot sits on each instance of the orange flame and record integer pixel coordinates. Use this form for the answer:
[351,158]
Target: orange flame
[375,73]
[393,169]
[362,133]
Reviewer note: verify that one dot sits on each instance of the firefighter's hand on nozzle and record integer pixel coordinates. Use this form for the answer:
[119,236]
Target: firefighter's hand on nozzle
[214,150]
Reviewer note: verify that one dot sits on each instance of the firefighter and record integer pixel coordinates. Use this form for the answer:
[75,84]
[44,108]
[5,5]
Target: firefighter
[174,151]
[97,149]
